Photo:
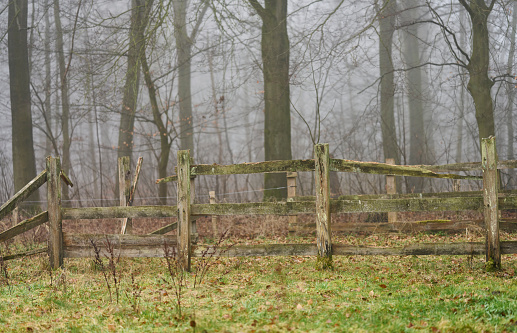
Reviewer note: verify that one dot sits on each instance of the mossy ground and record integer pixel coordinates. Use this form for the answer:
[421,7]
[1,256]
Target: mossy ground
[278,294]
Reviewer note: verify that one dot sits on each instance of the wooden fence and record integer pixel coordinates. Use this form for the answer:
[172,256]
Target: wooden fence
[490,200]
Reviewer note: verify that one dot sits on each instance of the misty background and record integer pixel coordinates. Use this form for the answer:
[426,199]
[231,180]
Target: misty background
[247,81]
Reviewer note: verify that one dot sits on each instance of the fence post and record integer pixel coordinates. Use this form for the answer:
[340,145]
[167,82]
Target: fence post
[55,221]
[193,223]
[391,188]
[215,218]
[490,202]
[291,194]
[124,190]
[184,242]
[322,172]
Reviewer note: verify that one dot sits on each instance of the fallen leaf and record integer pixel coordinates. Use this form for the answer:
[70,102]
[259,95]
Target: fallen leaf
[383,286]
[299,307]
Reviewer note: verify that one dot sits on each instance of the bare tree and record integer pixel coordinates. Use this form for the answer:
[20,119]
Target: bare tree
[24,163]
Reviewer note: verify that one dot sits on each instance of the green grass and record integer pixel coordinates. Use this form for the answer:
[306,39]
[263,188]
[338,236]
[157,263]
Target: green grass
[369,294]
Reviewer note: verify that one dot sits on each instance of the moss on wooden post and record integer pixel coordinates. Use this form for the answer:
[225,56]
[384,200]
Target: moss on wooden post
[391,188]
[184,241]
[322,172]
[55,237]
[490,202]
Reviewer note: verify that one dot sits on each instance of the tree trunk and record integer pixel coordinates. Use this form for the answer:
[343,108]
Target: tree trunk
[24,162]
[275,62]
[130,98]
[165,142]
[417,144]
[461,106]
[389,134]
[65,102]
[510,88]
[184,54]
[48,86]
[479,84]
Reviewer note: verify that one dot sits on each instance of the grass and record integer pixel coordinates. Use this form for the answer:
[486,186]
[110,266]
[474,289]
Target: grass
[278,294]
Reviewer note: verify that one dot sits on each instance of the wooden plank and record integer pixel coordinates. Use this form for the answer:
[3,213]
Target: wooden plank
[24,254]
[490,202]
[391,188]
[250,168]
[469,166]
[23,194]
[414,249]
[473,248]
[24,226]
[79,246]
[510,164]
[247,168]
[119,212]
[323,218]
[386,169]
[406,205]
[184,209]
[124,190]
[254,208]
[65,178]
[54,212]
[351,206]
[166,229]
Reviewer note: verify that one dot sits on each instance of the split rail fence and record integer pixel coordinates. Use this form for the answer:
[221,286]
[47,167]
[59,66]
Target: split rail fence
[63,245]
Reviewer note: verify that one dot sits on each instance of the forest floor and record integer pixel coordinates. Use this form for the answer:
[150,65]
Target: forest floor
[275,294]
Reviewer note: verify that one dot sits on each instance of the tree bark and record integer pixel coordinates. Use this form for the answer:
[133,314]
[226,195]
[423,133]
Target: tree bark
[480,84]
[184,54]
[510,88]
[130,98]
[165,142]
[275,62]
[65,102]
[389,134]
[24,162]
[417,137]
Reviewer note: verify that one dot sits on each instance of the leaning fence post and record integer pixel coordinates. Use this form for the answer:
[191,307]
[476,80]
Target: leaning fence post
[124,190]
[391,188]
[490,202]
[293,227]
[184,241]
[322,172]
[55,237]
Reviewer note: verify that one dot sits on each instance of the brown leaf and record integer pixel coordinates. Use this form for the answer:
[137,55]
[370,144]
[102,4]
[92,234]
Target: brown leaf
[383,286]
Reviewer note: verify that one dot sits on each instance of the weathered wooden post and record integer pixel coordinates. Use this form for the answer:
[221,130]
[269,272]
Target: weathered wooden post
[322,172]
[193,223]
[55,221]
[391,188]
[490,202]
[215,218]
[124,190]
[184,198]
[293,227]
